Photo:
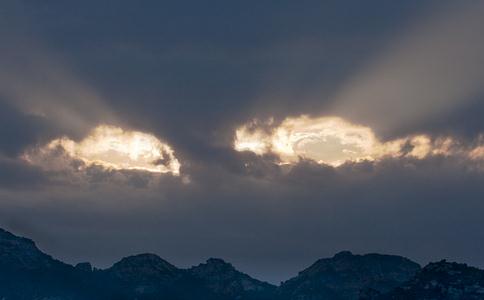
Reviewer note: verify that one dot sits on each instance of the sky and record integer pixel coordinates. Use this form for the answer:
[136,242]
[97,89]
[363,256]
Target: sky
[266,133]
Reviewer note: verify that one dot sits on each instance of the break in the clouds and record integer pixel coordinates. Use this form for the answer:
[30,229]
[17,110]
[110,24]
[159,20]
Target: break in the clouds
[245,130]
[334,141]
[112,148]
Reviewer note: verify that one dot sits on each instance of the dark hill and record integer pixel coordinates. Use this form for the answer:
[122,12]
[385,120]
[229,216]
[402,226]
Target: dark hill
[345,274]
[223,279]
[440,280]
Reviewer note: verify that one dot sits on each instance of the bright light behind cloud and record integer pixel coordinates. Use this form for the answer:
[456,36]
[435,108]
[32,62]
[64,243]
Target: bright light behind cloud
[329,140]
[334,141]
[114,148]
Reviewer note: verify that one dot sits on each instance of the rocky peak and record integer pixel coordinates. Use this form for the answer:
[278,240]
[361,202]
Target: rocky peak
[143,267]
[442,280]
[343,255]
[217,261]
[374,264]
[450,273]
[8,241]
[214,265]
[223,279]
[345,274]
[22,253]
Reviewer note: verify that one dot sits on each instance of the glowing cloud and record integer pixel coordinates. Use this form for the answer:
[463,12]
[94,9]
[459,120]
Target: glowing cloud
[114,148]
[329,140]
[334,141]
[252,137]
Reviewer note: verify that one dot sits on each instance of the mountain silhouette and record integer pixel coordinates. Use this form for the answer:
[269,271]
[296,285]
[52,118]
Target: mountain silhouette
[28,273]
[440,280]
[345,275]
[224,280]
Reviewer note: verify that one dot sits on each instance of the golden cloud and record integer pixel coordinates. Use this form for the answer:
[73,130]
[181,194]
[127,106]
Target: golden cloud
[114,148]
[334,141]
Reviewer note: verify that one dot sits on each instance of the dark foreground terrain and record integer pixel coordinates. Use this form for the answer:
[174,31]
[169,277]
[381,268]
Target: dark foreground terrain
[28,273]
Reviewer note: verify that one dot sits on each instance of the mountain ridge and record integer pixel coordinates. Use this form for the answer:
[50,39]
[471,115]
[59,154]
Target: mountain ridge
[28,273]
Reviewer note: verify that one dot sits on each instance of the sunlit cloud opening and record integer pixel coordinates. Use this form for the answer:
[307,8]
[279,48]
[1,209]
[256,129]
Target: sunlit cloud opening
[114,148]
[251,137]
[334,141]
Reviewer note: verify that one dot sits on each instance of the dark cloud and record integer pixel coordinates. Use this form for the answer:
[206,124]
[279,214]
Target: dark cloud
[19,130]
[268,220]
[20,175]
